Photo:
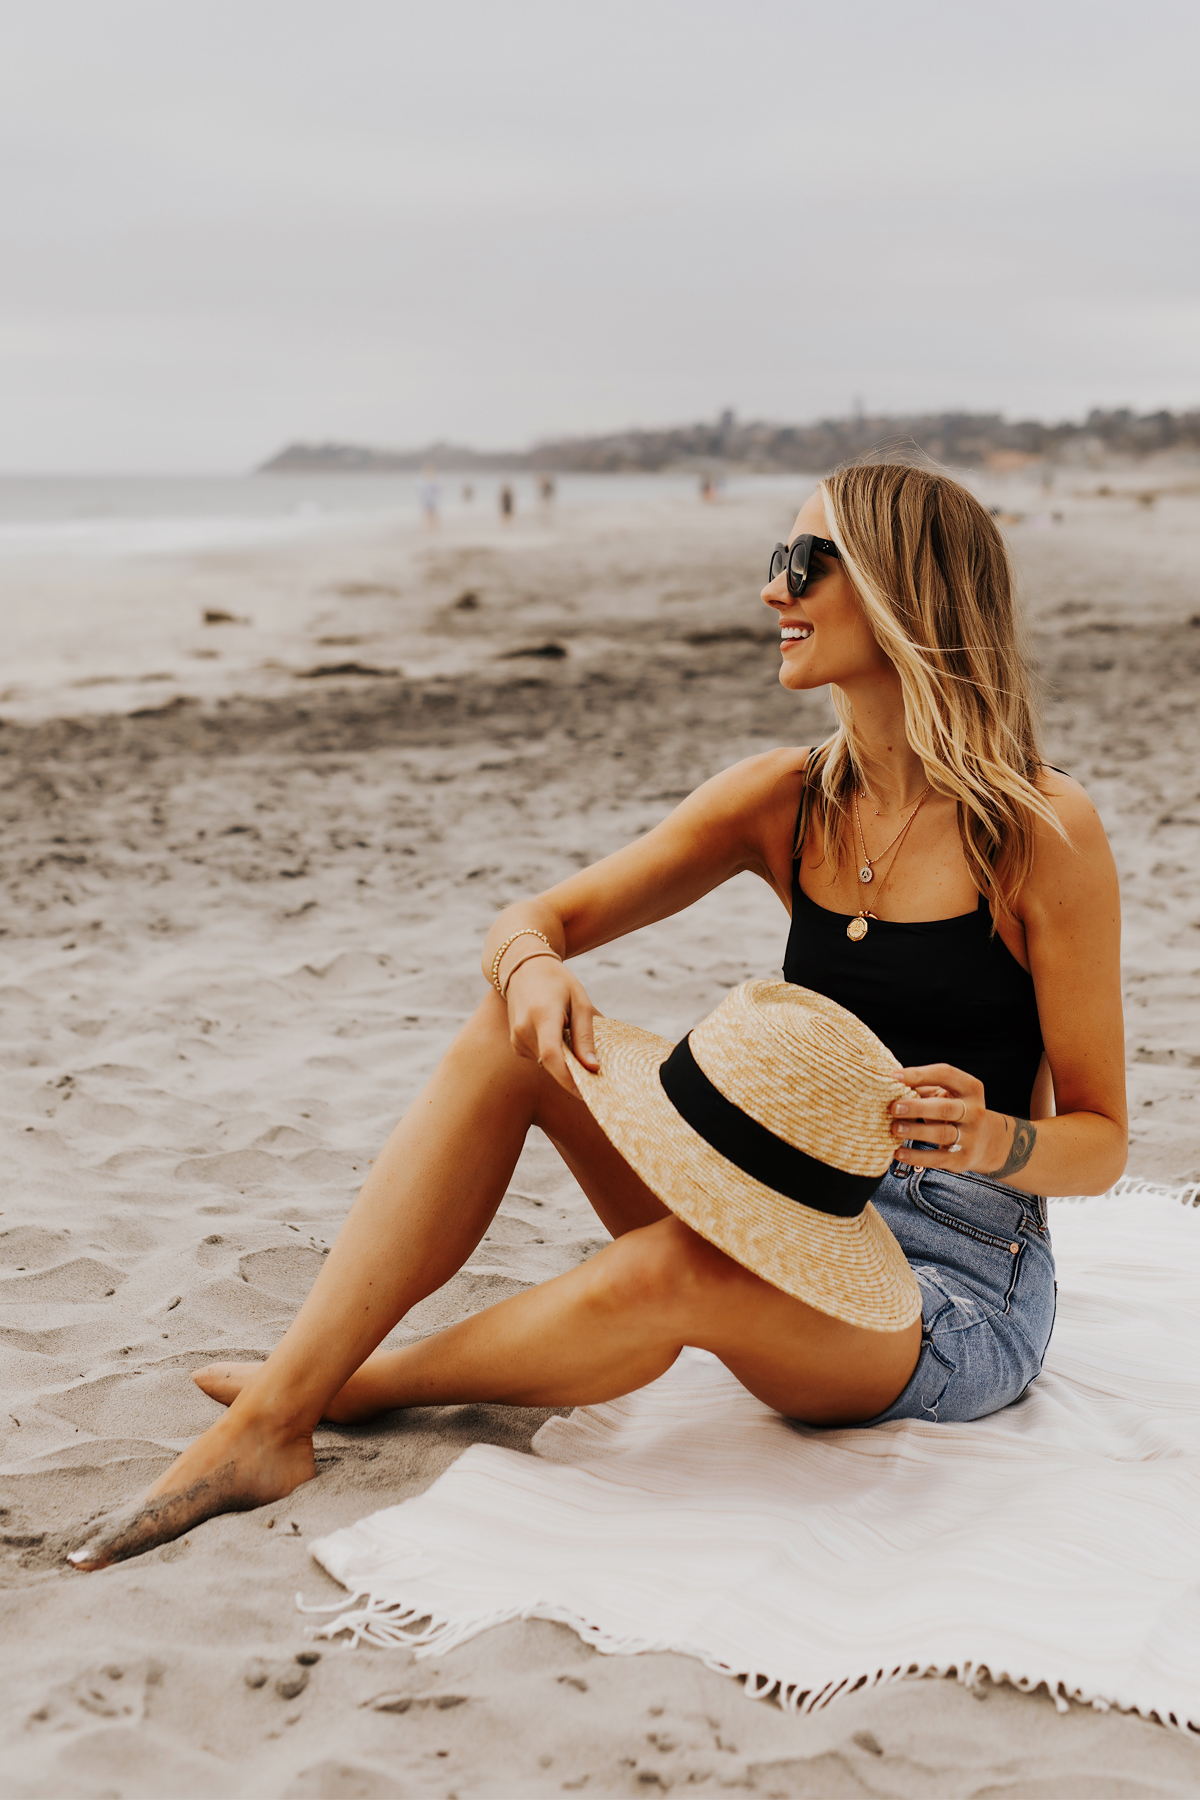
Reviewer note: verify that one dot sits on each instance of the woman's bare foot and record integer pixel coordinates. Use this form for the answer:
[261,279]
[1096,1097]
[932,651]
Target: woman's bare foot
[367,1392]
[238,1464]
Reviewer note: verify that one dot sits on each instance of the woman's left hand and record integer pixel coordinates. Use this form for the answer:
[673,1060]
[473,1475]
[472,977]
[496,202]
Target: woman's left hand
[951,1115]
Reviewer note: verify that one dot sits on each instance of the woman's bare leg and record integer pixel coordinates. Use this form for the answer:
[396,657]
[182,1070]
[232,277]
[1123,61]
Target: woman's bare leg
[620,1320]
[425,1206]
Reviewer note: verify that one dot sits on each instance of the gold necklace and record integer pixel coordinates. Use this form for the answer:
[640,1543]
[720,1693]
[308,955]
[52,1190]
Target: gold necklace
[857,929]
[881,812]
[867,872]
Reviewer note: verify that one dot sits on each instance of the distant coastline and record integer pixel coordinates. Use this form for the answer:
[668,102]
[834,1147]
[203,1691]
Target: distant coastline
[966,440]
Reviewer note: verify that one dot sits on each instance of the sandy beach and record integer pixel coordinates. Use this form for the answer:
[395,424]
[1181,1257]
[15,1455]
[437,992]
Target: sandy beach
[247,867]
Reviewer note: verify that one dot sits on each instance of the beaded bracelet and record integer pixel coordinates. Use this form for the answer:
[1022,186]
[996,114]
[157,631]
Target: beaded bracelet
[520,964]
[525,931]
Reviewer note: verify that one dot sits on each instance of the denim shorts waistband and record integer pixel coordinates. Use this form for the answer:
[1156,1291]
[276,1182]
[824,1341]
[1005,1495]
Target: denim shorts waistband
[966,1179]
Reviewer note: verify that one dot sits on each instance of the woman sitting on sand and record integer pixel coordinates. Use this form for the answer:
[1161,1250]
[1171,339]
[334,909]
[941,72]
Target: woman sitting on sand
[944,884]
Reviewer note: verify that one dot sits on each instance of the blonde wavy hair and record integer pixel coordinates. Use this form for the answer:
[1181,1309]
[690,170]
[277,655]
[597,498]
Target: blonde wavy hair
[932,574]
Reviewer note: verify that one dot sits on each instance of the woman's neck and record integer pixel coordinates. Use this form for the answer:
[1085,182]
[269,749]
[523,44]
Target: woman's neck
[893,773]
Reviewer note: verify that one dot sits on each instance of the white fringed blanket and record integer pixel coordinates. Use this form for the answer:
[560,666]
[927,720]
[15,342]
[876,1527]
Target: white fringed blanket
[1056,1542]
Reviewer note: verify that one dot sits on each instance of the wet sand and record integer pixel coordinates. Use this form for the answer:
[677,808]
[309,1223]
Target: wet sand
[243,911]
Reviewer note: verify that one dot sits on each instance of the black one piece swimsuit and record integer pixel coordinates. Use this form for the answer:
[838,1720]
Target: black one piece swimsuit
[933,990]
[949,990]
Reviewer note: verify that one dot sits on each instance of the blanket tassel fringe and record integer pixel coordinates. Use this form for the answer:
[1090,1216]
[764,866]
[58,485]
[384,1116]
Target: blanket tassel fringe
[389,1625]
[1132,1187]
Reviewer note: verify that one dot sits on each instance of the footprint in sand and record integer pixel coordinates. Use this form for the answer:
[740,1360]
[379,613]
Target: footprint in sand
[114,1690]
[467,1292]
[80,1279]
[352,971]
[32,1247]
[286,1271]
[163,1407]
[341,1781]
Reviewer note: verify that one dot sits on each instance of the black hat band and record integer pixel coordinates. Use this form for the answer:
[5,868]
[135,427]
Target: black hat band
[753,1149]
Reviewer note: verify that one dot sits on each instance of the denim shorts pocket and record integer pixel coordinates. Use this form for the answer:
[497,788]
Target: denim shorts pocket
[982,1236]
[979,1209]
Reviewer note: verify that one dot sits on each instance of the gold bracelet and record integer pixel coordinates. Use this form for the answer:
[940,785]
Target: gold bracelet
[525,931]
[533,954]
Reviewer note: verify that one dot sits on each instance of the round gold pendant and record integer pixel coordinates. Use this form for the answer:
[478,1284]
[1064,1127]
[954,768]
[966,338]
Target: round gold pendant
[866,873]
[856,930]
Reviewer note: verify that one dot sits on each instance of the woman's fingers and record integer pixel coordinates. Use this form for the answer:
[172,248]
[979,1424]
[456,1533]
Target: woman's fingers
[927,1131]
[940,1075]
[545,1004]
[551,1057]
[556,1067]
[953,1109]
[583,1035]
[937,1122]
[945,1125]
[944,1093]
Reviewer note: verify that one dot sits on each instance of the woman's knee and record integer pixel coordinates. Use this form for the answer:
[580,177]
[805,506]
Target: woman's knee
[484,1048]
[485,1034]
[481,1052]
[665,1269]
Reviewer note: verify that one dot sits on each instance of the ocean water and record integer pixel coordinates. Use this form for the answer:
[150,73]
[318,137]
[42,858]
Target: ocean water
[120,516]
[107,583]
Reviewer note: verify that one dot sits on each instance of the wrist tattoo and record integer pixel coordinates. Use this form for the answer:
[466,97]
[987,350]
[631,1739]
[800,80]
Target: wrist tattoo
[1024,1139]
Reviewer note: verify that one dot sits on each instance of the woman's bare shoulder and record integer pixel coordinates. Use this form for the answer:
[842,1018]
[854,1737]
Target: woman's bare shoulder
[1074,806]
[770,772]
[756,786]
[1076,859]
[759,799]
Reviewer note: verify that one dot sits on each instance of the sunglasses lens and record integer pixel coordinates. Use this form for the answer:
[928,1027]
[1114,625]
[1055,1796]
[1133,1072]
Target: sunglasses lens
[798,566]
[778,562]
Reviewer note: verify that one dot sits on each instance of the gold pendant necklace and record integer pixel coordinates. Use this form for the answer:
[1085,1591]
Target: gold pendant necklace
[867,872]
[857,929]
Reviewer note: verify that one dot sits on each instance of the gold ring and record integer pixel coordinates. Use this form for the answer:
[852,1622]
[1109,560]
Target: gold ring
[957,1144]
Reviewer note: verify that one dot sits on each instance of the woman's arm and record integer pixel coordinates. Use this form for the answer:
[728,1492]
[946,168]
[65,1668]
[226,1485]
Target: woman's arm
[1071,912]
[730,823]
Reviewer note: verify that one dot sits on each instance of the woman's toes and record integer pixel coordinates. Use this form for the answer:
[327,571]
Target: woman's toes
[111,1539]
[224,1381]
[224,1471]
[151,1522]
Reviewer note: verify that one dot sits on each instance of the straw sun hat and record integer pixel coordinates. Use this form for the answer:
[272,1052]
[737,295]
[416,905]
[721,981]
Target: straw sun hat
[766,1130]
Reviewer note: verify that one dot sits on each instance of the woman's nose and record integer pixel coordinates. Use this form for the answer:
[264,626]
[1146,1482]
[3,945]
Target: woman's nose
[775,593]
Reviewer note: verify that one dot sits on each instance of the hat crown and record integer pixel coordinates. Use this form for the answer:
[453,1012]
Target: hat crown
[806,1069]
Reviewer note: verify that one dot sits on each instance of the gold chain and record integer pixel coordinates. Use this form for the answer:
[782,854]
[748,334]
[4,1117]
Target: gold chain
[857,929]
[867,872]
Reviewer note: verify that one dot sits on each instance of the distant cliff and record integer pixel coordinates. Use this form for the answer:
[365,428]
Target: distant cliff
[962,439]
[358,459]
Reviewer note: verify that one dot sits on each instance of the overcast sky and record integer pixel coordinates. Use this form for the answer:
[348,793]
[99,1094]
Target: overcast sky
[225,224]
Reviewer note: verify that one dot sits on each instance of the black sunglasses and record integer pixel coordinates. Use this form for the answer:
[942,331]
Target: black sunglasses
[796,558]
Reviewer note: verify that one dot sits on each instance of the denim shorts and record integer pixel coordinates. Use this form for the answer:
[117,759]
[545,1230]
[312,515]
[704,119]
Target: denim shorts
[980,1251]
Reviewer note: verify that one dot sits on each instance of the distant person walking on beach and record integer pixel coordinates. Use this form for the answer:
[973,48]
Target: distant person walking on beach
[947,890]
[429,493]
[507,504]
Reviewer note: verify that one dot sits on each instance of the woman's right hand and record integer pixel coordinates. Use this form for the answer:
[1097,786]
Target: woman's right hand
[545,1003]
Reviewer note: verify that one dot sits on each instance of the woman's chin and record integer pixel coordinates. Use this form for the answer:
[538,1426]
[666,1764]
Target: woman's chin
[797,673]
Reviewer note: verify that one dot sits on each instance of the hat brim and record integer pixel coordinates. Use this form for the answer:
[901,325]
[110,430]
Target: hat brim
[852,1269]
